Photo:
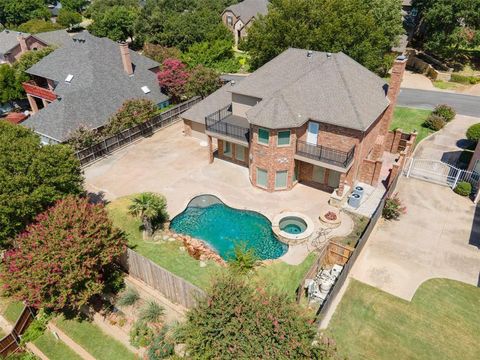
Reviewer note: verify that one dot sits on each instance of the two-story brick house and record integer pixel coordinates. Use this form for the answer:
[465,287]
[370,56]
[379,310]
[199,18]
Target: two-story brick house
[305,116]
[239,17]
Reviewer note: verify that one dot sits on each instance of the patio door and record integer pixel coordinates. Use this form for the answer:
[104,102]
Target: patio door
[312,133]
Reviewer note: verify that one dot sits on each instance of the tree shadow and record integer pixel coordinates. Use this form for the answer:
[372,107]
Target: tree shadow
[97,198]
[459,158]
[466,144]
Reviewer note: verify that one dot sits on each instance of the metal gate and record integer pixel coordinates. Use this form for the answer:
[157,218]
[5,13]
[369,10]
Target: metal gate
[441,173]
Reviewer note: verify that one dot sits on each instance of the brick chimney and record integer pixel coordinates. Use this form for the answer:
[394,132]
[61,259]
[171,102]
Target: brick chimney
[127,62]
[22,42]
[393,90]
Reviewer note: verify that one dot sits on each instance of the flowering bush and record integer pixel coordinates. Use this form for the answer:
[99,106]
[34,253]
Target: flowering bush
[444,111]
[65,257]
[393,208]
[132,112]
[173,78]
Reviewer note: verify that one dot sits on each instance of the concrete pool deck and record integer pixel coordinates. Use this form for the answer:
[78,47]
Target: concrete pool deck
[177,167]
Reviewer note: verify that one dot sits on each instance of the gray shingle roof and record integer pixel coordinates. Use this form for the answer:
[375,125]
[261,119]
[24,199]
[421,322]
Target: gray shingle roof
[98,88]
[57,37]
[213,102]
[329,88]
[8,40]
[248,9]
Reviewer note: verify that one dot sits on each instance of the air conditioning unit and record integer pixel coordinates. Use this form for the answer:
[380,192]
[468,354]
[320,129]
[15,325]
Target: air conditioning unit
[354,200]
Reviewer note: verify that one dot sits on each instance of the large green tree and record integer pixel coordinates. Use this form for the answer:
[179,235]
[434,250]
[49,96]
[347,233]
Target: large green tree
[363,29]
[116,23]
[447,25]
[32,177]
[35,26]
[65,257]
[16,12]
[10,88]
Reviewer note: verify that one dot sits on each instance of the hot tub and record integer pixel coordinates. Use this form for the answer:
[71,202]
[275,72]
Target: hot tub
[292,228]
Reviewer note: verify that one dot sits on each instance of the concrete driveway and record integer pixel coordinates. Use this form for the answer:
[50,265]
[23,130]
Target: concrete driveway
[447,144]
[439,237]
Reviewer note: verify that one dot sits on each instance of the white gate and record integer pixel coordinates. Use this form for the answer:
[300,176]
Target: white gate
[438,172]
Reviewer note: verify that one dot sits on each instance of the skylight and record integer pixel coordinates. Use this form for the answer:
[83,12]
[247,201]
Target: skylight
[69,78]
[145,89]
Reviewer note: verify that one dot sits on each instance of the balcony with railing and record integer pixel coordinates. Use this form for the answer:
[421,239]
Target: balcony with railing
[322,154]
[225,124]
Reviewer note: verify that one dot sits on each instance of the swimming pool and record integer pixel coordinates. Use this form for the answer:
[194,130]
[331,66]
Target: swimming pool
[207,218]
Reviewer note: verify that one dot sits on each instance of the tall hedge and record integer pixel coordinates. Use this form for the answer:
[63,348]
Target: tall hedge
[32,177]
[65,257]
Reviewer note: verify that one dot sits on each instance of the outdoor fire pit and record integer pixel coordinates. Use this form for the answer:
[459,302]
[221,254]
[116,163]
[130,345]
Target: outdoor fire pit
[330,216]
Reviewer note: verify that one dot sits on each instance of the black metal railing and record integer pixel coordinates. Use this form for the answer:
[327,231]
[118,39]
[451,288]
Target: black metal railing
[325,154]
[215,123]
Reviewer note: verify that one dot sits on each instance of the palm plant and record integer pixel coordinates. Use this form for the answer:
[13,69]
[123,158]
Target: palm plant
[151,209]
[244,260]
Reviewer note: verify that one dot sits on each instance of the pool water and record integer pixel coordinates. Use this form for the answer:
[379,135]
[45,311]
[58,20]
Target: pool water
[293,225]
[292,229]
[221,227]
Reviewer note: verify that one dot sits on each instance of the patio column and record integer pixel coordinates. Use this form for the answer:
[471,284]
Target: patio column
[45,103]
[33,104]
[210,150]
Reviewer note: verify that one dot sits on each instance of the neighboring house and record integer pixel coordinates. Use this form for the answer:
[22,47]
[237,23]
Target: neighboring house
[85,83]
[317,118]
[239,17]
[13,44]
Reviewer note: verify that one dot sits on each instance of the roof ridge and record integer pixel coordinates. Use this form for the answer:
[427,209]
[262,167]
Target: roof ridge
[350,97]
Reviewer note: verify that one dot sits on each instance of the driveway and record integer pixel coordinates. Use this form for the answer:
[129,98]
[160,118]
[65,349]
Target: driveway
[177,166]
[424,99]
[447,144]
[439,237]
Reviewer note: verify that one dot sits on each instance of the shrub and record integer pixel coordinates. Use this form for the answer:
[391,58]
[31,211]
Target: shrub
[393,208]
[444,111]
[151,313]
[65,257]
[162,346]
[141,334]
[151,208]
[434,122]
[160,53]
[463,188]
[35,26]
[473,132]
[467,80]
[132,112]
[68,18]
[129,297]
[83,137]
[244,260]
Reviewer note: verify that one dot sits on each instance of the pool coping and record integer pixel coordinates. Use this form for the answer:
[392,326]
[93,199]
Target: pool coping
[292,239]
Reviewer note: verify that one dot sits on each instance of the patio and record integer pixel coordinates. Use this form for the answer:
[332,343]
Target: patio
[177,166]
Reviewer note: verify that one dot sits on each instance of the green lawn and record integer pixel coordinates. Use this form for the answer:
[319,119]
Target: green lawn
[441,322]
[279,275]
[446,85]
[409,119]
[55,349]
[94,340]
[13,311]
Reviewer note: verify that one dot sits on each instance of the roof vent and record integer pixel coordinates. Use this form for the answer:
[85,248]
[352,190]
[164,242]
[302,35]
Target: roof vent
[232,82]
[329,55]
[69,78]
[309,53]
[145,89]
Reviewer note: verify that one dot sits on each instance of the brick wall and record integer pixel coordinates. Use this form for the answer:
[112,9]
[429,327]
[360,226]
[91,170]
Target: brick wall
[272,158]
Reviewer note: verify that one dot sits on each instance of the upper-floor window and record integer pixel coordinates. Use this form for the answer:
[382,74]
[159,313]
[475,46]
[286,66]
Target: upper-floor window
[283,138]
[263,136]
[229,20]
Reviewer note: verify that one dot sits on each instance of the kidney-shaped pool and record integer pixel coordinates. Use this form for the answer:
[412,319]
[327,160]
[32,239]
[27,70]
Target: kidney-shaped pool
[207,218]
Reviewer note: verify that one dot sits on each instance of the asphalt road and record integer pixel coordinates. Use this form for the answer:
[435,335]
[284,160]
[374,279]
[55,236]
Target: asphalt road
[424,99]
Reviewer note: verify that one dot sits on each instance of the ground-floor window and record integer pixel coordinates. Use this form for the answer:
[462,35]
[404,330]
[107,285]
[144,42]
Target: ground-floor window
[333,178]
[262,177]
[318,174]
[239,152]
[326,176]
[281,179]
[227,149]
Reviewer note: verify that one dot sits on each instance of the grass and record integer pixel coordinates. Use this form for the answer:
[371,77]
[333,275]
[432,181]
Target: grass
[94,340]
[13,311]
[446,85]
[283,277]
[359,224]
[55,349]
[409,119]
[441,322]
[165,254]
[279,275]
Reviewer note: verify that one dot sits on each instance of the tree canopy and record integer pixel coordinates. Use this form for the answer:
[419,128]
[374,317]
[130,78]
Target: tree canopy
[68,18]
[32,177]
[10,88]
[448,25]
[116,23]
[16,12]
[65,257]
[364,30]
[35,26]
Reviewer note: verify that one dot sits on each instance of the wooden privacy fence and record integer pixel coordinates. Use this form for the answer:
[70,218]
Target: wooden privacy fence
[170,285]
[11,342]
[338,253]
[129,135]
[361,243]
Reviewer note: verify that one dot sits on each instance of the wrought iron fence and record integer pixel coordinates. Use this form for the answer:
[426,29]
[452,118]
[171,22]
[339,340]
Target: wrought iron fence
[129,135]
[214,123]
[325,154]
